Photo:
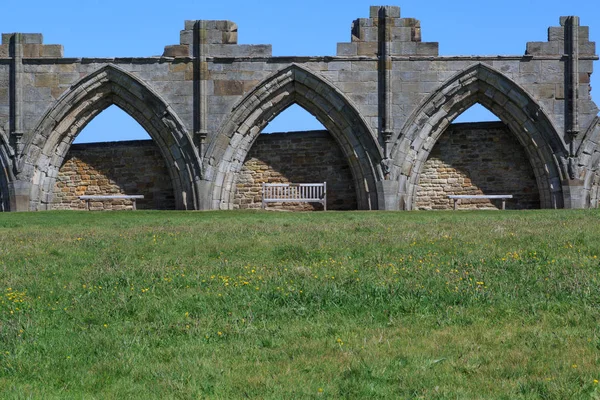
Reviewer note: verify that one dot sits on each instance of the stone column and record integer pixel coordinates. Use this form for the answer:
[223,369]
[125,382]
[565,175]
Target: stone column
[387,190]
[385,79]
[200,90]
[16,91]
[573,187]
[18,192]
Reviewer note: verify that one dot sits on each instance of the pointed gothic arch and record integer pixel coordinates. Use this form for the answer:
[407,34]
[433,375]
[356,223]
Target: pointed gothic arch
[506,99]
[588,159]
[335,111]
[48,145]
[6,174]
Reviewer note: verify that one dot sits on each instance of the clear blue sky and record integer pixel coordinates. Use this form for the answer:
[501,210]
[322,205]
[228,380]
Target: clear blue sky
[109,28]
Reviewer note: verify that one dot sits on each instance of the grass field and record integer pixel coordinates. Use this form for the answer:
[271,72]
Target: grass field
[300,305]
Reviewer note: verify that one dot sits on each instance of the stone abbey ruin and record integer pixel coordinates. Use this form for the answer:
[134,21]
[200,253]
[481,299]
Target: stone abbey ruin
[387,101]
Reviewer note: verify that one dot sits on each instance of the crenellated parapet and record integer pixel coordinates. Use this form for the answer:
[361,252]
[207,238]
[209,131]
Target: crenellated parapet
[30,45]
[219,39]
[559,38]
[385,25]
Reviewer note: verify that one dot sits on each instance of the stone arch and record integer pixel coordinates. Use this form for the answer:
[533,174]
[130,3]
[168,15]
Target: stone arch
[6,174]
[588,157]
[53,136]
[503,97]
[290,85]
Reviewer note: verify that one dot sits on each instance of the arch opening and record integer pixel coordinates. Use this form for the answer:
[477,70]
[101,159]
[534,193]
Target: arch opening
[295,85]
[527,121]
[6,176]
[589,160]
[287,152]
[113,155]
[477,158]
[52,139]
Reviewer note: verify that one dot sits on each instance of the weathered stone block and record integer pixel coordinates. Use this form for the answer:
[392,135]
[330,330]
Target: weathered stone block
[347,49]
[391,11]
[339,66]
[4,51]
[407,22]
[189,24]
[428,49]
[367,48]
[556,33]
[186,37]
[177,51]
[403,34]
[374,11]
[229,37]
[52,51]
[545,48]
[416,34]
[244,50]
[46,80]
[32,50]
[232,88]
[369,34]
[32,38]
[404,48]
[6,37]
[365,22]
[588,48]
[559,91]
[26,38]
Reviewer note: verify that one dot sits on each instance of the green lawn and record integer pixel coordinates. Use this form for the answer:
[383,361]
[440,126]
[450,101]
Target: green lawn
[300,305]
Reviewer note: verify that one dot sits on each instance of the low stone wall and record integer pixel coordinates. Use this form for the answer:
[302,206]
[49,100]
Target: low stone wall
[473,158]
[477,158]
[131,167]
[297,157]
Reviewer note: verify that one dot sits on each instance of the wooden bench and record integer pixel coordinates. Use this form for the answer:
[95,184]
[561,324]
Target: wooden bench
[133,198]
[294,192]
[458,197]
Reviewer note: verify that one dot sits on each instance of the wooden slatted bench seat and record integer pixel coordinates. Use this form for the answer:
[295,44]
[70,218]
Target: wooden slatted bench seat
[133,198]
[294,192]
[458,197]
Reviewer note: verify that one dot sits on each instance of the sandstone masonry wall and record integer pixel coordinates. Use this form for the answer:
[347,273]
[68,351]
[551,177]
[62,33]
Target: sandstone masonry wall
[297,157]
[131,167]
[385,97]
[477,158]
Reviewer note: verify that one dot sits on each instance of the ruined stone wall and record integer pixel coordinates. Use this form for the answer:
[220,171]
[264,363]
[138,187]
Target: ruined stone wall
[477,158]
[205,100]
[297,157]
[132,167]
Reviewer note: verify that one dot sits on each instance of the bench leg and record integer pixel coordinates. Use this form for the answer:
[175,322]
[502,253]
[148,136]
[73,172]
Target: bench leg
[455,202]
[133,205]
[503,204]
[87,205]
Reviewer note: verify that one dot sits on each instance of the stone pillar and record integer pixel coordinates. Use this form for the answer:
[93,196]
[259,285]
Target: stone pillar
[200,89]
[205,190]
[574,193]
[19,194]
[16,91]
[385,74]
[571,25]
[387,195]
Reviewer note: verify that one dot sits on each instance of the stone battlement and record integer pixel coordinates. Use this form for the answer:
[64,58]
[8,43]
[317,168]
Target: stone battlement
[559,38]
[385,25]
[214,39]
[29,45]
